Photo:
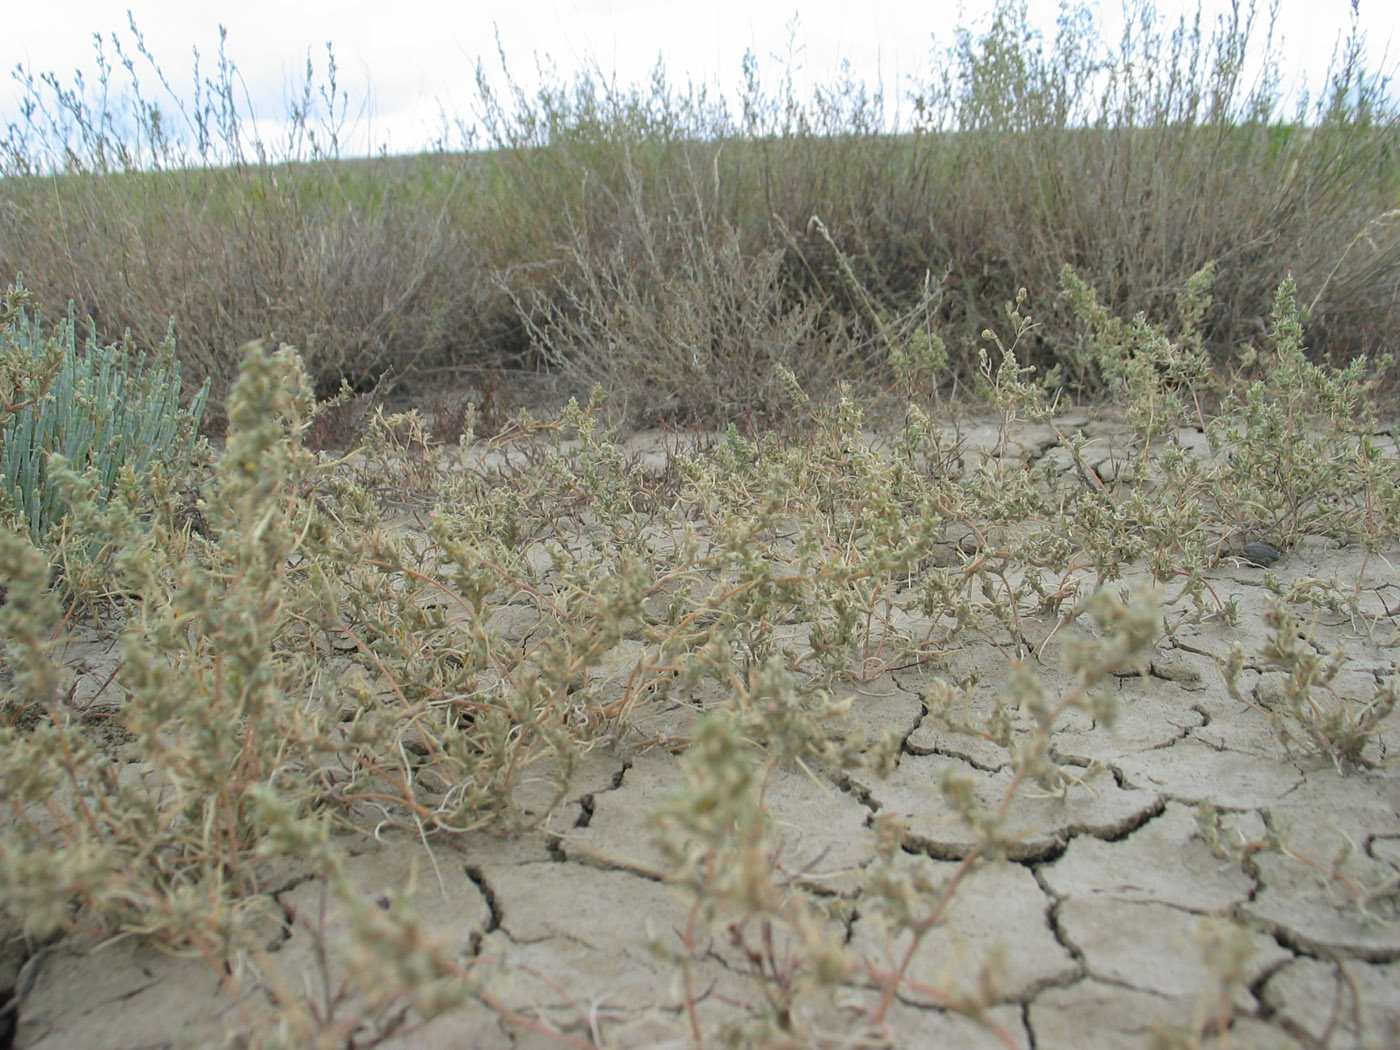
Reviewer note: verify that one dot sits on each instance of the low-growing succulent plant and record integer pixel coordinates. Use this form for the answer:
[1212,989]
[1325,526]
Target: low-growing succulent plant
[104,410]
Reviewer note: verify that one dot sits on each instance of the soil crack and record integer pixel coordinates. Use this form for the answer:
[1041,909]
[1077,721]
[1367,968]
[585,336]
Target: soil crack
[586,806]
[12,999]
[1301,944]
[493,905]
[855,789]
[1052,919]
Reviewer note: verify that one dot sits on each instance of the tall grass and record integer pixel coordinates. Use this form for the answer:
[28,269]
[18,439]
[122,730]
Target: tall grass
[548,221]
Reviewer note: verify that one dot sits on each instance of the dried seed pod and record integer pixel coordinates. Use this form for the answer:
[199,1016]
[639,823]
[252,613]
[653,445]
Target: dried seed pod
[1261,554]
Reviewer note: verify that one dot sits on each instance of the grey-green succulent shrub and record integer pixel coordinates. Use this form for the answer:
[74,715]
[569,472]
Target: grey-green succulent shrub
[108,414]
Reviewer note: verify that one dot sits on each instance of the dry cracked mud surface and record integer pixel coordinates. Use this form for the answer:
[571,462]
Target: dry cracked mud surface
[1205,838]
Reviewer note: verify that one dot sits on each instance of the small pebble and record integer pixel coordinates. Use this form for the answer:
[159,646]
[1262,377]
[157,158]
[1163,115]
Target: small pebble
[1261,554]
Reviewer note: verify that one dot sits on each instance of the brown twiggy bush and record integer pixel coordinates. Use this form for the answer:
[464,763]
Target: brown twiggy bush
[1137,162]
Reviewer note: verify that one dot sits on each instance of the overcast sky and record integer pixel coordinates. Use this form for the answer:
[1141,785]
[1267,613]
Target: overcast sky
[417,59]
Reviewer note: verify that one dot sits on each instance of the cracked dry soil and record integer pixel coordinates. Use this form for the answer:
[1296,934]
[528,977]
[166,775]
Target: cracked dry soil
[1101,915]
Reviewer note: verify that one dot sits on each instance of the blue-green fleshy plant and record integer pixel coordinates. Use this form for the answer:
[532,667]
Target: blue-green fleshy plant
[104,409]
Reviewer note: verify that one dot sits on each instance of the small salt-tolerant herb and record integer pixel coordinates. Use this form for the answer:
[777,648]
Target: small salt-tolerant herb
[1311,714]
[717,836]
[25,377]
[1160,379]
[1293,443]
[29,615]
[1124,627]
